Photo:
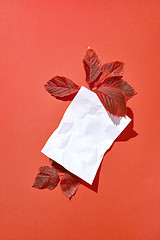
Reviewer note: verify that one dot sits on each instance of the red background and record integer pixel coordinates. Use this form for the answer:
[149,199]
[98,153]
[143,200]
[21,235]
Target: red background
[41,39]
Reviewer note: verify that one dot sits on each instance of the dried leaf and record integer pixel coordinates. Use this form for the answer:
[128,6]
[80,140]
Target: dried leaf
[120,84]
[112,99]
[46,178]
[62,88]
[92,66]
[113,69]
[69,184]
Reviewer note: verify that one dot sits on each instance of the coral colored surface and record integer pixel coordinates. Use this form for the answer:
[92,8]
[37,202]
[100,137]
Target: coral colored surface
[38,40]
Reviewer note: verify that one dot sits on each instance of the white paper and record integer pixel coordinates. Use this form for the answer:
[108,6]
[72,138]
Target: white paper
[84,134]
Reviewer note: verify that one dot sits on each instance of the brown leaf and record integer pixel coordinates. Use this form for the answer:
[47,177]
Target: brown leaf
[112,99]
[62,88]
[69,184]
[119,83]
[113,69]
[46,178]
[92,66]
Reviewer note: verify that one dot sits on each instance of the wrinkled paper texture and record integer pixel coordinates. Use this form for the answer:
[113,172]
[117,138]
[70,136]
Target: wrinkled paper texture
[84,134]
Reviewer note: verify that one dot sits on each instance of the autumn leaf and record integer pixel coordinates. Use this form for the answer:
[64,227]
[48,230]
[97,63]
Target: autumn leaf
[122,85]
[113,69]
[62,88]
[92,66]
[69,184]
[113,100]
[46,178]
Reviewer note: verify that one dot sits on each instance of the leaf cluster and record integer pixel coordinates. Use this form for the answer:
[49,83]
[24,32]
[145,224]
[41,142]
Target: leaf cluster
[107,82]
[49,177]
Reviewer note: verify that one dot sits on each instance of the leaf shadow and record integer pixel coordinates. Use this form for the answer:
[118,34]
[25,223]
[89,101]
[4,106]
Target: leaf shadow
[126,135]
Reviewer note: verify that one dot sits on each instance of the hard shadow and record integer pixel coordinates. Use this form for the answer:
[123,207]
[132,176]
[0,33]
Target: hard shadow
[127,134]
[94,186]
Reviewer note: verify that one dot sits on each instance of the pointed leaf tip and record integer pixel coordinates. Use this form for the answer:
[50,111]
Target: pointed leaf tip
[92,66]
[62,88]
[69,184]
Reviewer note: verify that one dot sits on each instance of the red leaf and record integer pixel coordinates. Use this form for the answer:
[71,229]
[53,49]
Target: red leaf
[69,184]
[112,99]
[46,178]
[92,66]
[113,69]
[62,88]
[116,82]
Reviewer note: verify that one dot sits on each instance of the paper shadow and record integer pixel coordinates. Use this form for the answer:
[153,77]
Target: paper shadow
[94,186]
[127,134]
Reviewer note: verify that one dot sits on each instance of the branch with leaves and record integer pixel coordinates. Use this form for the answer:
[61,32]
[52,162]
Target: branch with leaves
[107,82]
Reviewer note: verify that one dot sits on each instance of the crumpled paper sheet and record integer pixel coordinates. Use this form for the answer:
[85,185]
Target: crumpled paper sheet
[84,134]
